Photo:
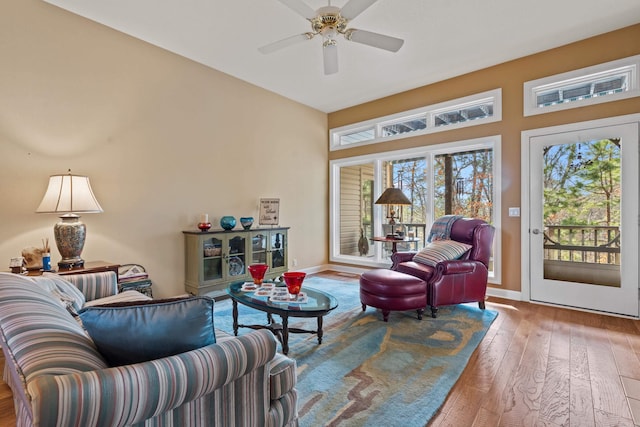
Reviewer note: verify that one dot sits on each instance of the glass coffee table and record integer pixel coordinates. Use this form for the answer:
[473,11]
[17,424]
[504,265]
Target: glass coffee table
[317,305]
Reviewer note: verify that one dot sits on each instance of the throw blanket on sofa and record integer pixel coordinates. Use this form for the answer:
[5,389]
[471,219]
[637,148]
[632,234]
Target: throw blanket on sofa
[441,228]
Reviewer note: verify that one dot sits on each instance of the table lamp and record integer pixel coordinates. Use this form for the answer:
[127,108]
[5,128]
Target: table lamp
[69,195]
[392,197]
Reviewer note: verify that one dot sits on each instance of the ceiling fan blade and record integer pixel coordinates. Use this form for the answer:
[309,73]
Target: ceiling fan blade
[354,8]
[330,57]
[300,8]
[281,44]
[374,39]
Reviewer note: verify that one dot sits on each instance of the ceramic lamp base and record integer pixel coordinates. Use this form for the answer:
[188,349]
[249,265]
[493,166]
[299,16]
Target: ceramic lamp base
[70,234]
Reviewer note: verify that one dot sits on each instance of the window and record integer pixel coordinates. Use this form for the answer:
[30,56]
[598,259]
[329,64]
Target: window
[461,114]
[358,136]
[460,178]
[601,83]
[463,184]
[472,110]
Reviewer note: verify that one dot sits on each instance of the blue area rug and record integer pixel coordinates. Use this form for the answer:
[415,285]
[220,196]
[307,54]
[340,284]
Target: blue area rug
[367,372]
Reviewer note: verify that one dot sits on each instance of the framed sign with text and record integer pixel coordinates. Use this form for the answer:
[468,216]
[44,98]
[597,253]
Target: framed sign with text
[269,211]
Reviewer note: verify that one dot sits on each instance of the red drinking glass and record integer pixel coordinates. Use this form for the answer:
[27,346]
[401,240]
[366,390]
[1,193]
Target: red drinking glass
[293,280]
[257,271]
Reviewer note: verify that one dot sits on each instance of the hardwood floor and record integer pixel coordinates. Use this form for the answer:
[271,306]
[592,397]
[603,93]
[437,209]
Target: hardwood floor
[7,414]
[547,366]
[537,366]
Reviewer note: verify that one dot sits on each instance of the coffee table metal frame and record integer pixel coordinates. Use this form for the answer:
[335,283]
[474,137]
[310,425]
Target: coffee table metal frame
[320,303]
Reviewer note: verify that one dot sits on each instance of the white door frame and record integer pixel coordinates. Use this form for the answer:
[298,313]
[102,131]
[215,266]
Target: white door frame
[525,271]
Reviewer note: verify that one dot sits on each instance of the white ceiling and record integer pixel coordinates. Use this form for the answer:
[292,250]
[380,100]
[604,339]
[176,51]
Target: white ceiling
[443,39]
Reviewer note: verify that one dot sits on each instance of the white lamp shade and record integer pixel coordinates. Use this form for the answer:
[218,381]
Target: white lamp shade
[69,194]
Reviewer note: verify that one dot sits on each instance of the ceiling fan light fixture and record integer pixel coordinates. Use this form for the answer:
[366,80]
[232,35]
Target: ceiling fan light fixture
[329,43]
[329,33]
[330,56]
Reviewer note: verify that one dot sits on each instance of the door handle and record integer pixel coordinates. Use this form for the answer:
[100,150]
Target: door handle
[536,231]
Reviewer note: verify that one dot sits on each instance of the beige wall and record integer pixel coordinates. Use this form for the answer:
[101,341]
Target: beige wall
[510,77]
[162,138]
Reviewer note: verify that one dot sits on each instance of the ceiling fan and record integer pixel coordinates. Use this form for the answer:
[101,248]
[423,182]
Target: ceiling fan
[328,22]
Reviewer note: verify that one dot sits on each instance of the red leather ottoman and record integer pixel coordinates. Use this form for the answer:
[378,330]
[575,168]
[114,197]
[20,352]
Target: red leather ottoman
[391,290]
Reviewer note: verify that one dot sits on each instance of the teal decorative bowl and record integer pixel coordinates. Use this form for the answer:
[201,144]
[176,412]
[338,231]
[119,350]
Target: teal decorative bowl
[246,222]
[227,222]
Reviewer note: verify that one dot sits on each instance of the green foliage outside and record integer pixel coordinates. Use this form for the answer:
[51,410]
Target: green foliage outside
[582,184]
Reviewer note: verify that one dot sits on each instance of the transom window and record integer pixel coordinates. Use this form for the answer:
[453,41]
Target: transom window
[601,83]
[472,110]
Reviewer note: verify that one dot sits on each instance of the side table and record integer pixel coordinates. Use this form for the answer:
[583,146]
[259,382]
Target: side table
[89,267]
[394,242]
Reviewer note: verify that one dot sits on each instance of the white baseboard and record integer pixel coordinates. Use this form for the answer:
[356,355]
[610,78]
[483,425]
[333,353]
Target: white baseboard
[504,293]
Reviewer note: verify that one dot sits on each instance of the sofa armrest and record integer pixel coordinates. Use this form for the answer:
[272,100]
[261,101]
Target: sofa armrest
[131,394]
[95,285]
[400,257]
[282,376]
[456,267]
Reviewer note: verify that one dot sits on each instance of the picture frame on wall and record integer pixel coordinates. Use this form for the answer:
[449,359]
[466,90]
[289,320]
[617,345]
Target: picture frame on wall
[269,212]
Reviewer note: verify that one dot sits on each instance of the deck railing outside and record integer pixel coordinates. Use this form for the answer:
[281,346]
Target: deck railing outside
[582,243]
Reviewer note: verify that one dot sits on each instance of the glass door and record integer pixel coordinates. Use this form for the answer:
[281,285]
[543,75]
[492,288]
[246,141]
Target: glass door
[258,248]
[212,259]
[584,219]
[237,255]
[277,247]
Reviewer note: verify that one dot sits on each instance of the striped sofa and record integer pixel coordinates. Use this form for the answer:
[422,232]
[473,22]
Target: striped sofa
[58,378]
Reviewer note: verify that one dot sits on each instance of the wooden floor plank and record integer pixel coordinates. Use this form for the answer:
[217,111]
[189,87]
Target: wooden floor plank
[581,412]
[497,398]
[466,408]
[606,385]
[486,418]
[524,394]
[7,413]
[626,358]
[554,402]
[482,370]
[579,360]
[605,419]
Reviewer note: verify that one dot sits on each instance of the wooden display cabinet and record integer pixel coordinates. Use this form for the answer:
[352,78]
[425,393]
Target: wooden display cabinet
[215,259]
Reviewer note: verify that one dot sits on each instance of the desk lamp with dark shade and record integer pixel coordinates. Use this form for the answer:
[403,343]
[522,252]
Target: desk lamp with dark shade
[69,195]
[393,197]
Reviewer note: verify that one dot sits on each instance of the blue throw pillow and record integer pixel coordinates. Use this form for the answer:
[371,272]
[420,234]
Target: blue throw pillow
[133,332]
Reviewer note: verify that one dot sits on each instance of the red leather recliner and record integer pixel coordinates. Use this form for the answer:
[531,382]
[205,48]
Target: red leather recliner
[457,281]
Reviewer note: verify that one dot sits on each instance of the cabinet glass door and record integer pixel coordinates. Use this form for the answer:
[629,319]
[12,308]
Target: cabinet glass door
[212,259]
[259,248]
[277,246]
[237,253]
